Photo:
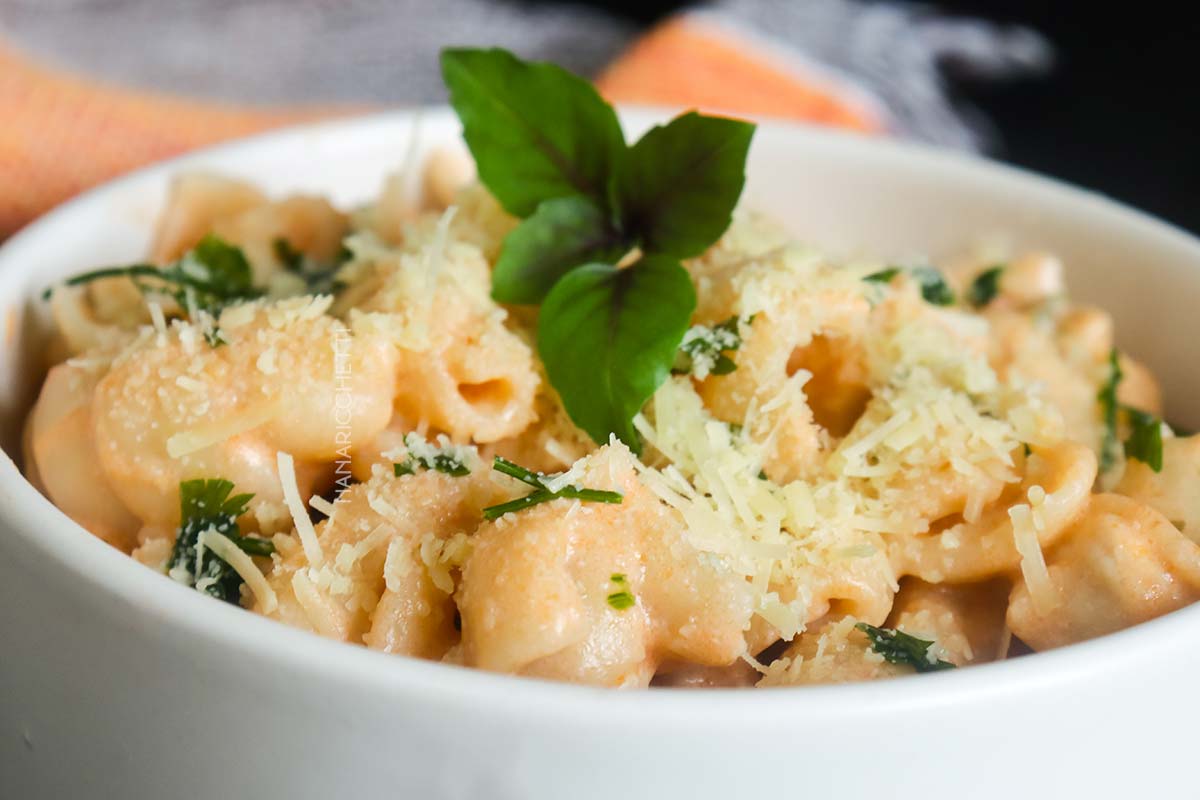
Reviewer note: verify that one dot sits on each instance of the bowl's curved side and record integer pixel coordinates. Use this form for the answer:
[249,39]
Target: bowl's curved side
[116,679]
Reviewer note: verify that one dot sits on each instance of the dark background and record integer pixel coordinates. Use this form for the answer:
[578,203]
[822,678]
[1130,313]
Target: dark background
[1118,113]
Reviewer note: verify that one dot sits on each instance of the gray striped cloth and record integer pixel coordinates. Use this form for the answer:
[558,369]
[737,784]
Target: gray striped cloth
[385,51]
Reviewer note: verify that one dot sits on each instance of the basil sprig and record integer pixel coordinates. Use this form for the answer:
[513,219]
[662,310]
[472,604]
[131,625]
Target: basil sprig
[552,152]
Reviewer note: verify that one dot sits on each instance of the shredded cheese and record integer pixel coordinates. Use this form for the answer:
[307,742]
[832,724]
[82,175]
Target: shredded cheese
[291,496]
[243,565]
[1033,565]
[322,505]
[220,430]
[313,605]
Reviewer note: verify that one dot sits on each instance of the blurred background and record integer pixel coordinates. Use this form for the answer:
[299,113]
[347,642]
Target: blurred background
[1100,95]
[1117,111]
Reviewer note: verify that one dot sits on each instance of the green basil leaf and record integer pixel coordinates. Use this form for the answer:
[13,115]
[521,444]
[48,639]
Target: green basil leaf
[536,131]
[562,234]
[608,337]
[677,187]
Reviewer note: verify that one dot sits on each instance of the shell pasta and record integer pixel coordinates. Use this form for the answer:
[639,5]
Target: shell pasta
[856,470]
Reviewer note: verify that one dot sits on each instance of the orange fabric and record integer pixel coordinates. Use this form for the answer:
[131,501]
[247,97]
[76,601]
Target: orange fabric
[64,133]
[687,61]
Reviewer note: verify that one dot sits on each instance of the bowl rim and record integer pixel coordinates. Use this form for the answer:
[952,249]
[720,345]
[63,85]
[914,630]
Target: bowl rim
[51,535]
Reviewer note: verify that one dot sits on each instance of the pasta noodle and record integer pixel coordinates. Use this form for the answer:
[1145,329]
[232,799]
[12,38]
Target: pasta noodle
[893,469]
[1122,563]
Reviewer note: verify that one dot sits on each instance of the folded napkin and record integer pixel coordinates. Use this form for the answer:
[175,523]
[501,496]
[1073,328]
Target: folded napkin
[90,89]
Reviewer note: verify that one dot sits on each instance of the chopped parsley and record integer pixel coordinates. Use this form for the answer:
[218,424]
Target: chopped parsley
[207,278]
[1145,438]
[1107,397]
[291,258]
[318,278]
[622,598]
[1145,429]
[934,288]
[985,287]
[883,276]
[898,647]
[422,455]
[541,494]
[702,352]
[205,505]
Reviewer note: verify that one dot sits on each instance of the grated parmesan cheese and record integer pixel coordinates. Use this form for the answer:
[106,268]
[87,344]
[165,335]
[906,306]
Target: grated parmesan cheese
[322,505]
[291,496]
[243,565]
[1033,565]
[220,430]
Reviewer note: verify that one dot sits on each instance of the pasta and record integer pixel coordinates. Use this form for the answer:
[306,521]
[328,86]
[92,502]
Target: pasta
[1122,563]
[872,470]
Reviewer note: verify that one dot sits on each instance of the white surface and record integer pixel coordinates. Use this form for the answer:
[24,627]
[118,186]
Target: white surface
[117,682]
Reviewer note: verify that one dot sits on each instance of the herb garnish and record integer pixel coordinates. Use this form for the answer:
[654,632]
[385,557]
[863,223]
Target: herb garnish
[898,647]
[934,288]
[985,287]
[206,505]
[1107,397]
[439,459]
[1145,435]
[207,277]
[552,152]
[318,278]
[702,352]
[541,494]
[1145,438]
[883,276]
[622,598]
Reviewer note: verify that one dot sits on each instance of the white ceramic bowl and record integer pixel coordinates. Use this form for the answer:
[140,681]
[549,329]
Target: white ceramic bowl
[116,682]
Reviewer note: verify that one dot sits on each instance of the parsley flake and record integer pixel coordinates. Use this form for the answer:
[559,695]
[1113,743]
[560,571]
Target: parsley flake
[703,350]
[421,455]
[985,287]
[318,278]
[205,505]
[898,647]
[207,278]
[541,493]
[622,598]
[934,288]
[883,276]
[1145,438]
[1107,397]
